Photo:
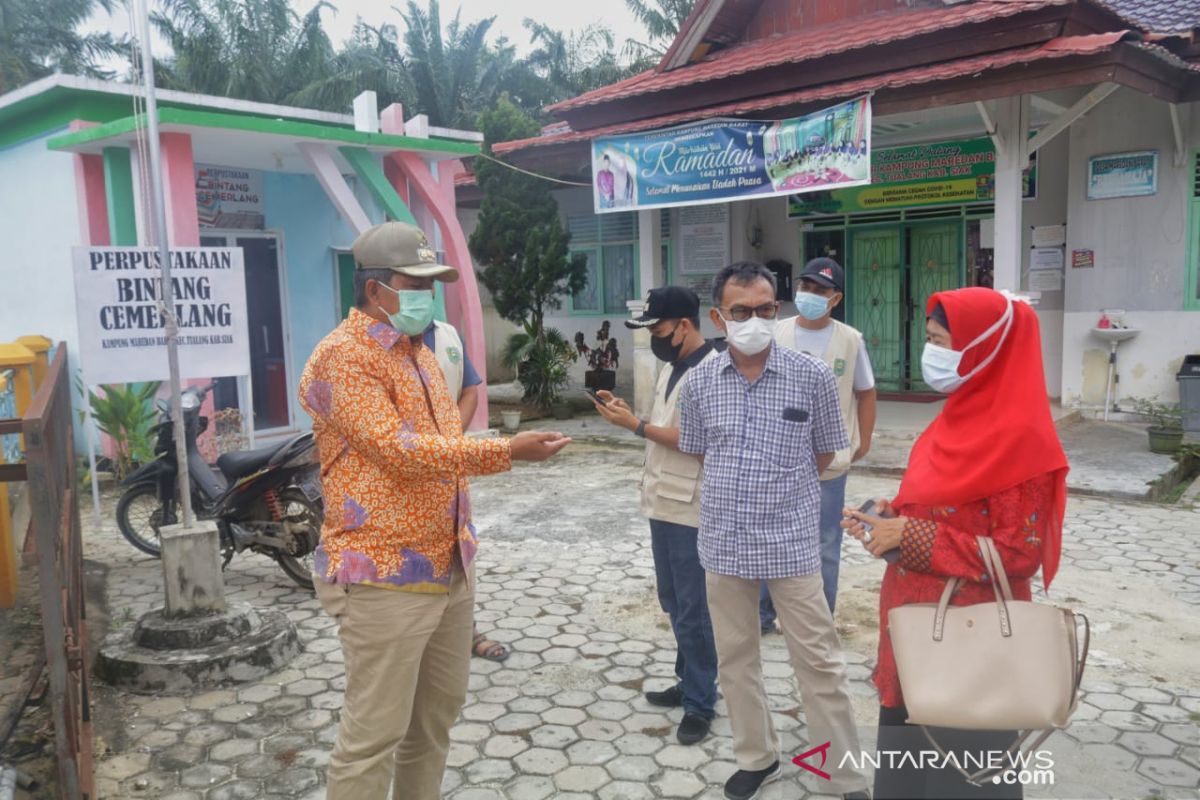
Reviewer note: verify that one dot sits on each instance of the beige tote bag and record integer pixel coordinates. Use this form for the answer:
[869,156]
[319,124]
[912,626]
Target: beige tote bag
[1006,665]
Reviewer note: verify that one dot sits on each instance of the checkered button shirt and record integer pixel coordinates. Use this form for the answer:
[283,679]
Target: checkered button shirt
[760,502]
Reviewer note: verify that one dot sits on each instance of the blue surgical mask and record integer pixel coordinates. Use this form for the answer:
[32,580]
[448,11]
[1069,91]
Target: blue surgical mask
[415,313]
[811,306]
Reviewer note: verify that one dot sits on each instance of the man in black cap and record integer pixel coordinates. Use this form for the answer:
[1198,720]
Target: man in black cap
[816,332]
[671,500]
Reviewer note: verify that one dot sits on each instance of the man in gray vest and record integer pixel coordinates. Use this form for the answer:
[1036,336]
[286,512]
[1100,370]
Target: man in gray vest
[671,500]
[816,332]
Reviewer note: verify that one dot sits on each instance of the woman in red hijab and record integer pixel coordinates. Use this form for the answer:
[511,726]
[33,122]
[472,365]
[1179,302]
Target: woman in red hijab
[990,464]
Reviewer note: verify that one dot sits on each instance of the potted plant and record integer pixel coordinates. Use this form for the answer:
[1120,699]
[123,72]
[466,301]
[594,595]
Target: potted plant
[603,359]
[511,419]
[1166,424]
[542,359]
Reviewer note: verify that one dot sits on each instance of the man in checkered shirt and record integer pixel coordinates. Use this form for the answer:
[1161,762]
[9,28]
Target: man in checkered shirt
[766,421]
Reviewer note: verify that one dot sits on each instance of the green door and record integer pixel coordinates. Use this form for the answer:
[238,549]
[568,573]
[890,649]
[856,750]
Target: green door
[345,268]
[934,251]
[876,307]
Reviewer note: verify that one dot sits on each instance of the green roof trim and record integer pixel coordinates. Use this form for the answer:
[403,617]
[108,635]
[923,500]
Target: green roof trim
[238,122]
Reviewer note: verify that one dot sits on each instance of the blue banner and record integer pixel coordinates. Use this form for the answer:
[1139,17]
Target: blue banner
[719,160]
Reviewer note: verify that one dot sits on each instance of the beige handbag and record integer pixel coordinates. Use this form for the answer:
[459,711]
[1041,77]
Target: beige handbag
[1007,665]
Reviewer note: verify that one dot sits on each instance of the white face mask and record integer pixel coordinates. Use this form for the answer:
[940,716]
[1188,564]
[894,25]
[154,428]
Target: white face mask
[939,365]
[752,336]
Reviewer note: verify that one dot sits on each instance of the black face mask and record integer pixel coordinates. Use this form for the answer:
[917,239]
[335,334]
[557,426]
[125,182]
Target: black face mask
[663,349]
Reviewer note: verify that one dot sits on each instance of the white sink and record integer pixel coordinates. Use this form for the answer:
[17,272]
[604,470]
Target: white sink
[1115,334]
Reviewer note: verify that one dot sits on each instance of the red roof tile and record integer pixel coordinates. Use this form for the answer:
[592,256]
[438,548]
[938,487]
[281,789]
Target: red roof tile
[1055,48]
[824,40]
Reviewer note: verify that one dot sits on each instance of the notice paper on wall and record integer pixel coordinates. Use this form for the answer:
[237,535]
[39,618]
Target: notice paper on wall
[1046,280]
[1045,258]
[1049,235]
[704,238]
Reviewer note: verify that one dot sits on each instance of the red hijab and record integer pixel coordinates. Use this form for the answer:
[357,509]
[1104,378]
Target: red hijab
[995,431]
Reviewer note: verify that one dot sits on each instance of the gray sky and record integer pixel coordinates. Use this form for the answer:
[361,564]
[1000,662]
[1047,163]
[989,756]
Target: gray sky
[561,14]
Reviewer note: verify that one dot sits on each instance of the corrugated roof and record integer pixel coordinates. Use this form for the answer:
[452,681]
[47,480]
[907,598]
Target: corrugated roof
[1056,48]
[1159,16]
[824,40]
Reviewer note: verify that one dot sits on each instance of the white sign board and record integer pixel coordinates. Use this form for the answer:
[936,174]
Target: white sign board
[704,239]
[117,291]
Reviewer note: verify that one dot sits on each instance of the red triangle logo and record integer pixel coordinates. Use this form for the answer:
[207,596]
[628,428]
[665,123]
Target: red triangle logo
[823,749]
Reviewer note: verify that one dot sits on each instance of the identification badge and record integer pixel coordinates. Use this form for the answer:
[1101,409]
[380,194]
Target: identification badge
[839,367]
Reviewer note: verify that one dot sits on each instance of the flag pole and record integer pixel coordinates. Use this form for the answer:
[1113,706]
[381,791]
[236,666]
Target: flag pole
[170,323]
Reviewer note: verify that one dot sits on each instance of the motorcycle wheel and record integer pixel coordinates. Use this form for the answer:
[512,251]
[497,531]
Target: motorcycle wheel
[139,516]
[298,508]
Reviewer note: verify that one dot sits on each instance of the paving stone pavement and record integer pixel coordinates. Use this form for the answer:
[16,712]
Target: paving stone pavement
[566,580]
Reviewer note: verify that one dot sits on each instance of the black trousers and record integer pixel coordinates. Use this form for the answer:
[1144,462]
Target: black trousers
[908,781]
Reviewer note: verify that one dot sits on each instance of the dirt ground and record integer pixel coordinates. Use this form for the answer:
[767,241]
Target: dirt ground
[31,748]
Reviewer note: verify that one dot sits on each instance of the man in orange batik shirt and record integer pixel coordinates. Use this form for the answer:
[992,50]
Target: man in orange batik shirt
[395,563]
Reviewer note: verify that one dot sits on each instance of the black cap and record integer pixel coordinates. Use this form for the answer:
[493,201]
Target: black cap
[825,271]
[667,302]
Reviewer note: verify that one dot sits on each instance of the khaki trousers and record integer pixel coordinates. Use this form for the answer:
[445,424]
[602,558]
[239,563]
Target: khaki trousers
[408,660]
[816,659]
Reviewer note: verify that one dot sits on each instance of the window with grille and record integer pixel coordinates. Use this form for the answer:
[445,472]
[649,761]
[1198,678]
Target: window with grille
[609,242]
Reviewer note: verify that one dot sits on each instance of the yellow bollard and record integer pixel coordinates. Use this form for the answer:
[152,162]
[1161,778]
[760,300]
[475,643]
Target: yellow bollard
[40,347]
[20,360]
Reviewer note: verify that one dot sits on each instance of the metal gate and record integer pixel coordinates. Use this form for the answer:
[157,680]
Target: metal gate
[876,286]
[53,487]
[893,270]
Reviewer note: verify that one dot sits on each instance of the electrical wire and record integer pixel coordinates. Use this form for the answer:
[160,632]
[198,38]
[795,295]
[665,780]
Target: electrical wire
[530,174]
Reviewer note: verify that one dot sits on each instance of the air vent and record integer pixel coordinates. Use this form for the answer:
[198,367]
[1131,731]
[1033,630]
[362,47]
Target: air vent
[1196,177]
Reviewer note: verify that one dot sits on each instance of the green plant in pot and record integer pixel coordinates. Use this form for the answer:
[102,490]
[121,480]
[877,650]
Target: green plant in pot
[125,413]
[1166,424]
[542,363]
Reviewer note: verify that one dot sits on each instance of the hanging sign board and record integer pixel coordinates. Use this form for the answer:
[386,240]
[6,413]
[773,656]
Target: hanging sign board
[229,197]
[941,173]
[1122,175]
[117,302]
[719,160]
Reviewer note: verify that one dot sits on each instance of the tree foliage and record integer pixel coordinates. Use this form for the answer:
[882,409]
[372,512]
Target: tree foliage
[520,240]
[662,20]
[40,37]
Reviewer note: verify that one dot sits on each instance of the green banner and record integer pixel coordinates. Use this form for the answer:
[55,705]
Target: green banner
[941,173]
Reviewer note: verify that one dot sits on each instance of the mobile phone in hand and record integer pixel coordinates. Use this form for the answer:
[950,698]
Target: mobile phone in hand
[869,508]
[592,394]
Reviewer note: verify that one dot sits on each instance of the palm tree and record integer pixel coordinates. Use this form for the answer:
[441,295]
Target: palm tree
[574,62]
[369,60]
[457,76]
[662,20]
[39,37]
[249,49]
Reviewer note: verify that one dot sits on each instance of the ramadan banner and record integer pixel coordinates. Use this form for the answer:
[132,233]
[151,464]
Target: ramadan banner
[719,160]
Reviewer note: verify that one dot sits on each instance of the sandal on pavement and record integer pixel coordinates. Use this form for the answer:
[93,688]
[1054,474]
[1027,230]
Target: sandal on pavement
[486,648]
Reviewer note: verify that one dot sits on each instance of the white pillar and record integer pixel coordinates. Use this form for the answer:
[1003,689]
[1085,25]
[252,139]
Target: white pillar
[1012,154]
[650,275]
[650,266]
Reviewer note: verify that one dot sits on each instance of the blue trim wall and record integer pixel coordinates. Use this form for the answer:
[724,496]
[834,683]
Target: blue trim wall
[297,207]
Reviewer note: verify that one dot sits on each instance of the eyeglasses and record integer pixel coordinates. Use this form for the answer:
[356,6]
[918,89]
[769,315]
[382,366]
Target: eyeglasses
[743,313]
